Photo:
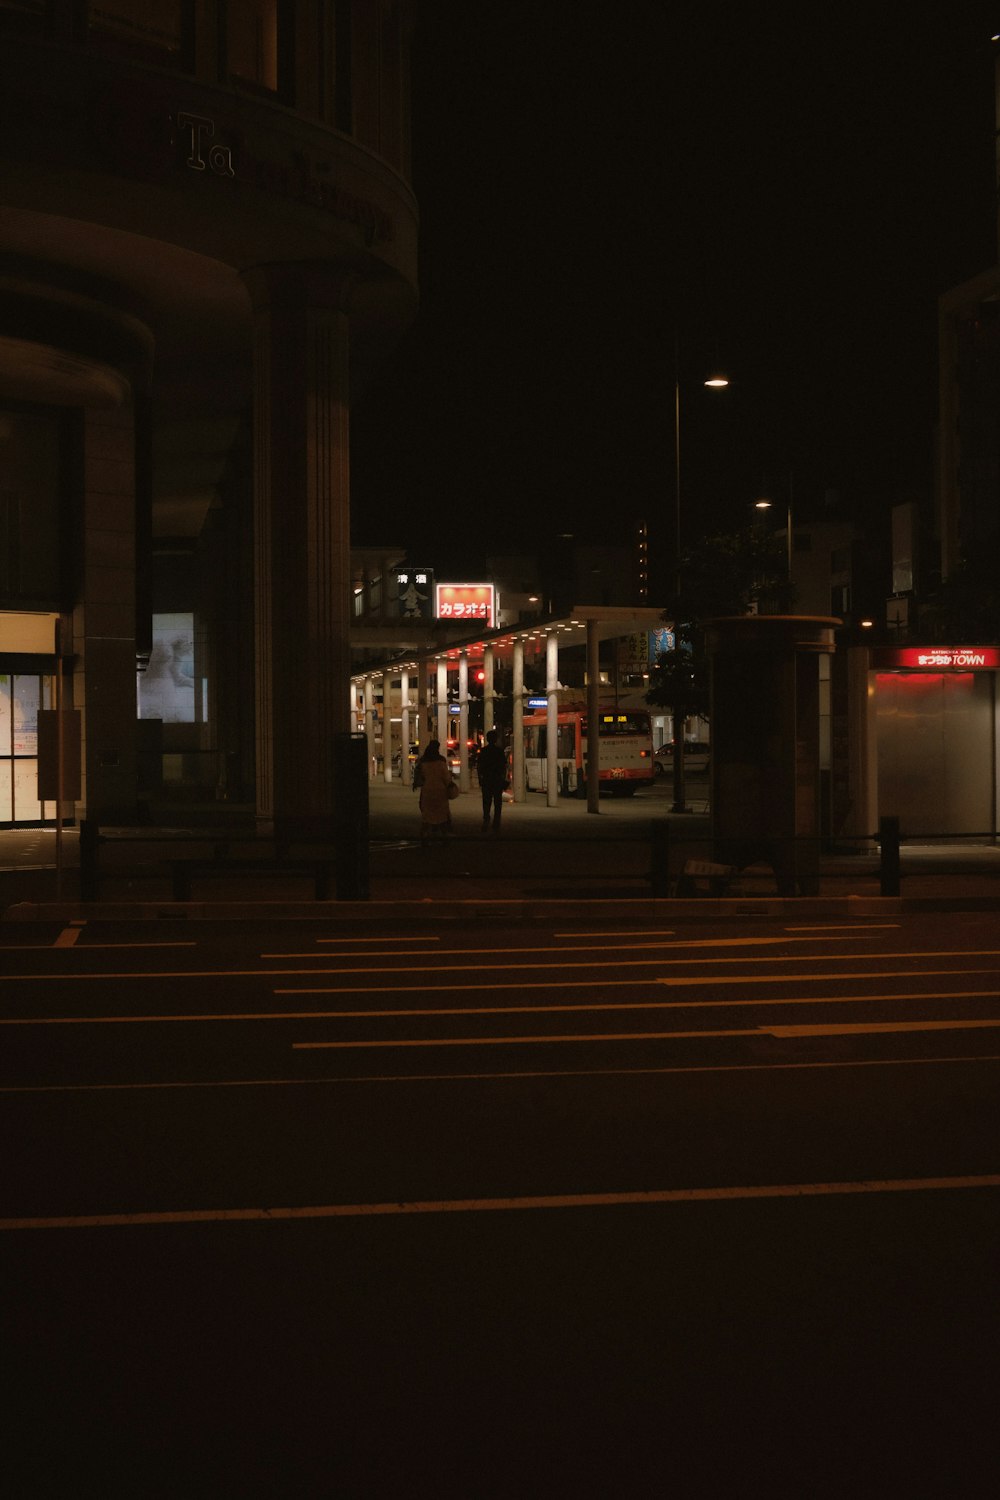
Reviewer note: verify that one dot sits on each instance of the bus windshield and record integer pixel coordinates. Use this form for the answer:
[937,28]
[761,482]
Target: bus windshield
[622,723]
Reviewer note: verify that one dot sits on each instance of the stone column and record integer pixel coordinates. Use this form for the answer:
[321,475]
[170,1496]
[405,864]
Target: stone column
[423,672]
[442,704]
[489,707]
[593,767]
[370,724]
[517,748]
[463,721]
[104,618]
[552,717]
[301,538]
[386,726]
[405,769]
[765,743]
[859,764]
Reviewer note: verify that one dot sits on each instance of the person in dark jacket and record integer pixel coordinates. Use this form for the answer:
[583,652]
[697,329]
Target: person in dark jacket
[491,767]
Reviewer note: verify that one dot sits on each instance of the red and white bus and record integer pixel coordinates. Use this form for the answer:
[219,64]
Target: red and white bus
[626,750]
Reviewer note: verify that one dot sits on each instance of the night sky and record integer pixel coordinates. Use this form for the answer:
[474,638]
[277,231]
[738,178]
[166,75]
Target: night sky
[782,190]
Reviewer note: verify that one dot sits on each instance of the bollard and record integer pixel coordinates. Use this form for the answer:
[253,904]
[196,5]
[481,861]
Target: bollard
[659,864]
[888,835]
[90,879]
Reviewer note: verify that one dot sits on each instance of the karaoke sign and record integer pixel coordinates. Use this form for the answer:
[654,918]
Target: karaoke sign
[475,602]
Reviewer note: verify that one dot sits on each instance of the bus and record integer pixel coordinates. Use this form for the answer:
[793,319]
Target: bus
[626,750]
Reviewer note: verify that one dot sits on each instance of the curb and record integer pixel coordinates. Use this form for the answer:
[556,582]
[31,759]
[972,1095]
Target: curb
[533,910]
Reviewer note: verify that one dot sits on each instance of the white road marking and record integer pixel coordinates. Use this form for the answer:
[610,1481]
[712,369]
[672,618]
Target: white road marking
[328,1015]
[690,980]
[403,938]
[506,1076]
[648,1199]
[437,969]
[863,1028]
[520,1010]
[625,933]
[590,947]
[403,1043]
[477,953]
[779,1032]
[822,927]
[69,935]
[697,980]
[89,948]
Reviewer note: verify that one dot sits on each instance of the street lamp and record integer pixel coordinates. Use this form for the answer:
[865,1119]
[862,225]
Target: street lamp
[715,382]
[764,504]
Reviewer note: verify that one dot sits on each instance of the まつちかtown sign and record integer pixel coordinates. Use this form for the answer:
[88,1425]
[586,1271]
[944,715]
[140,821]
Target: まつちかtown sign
[938,658]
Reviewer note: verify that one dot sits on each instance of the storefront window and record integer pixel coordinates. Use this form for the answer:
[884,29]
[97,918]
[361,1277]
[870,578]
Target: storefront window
[21,696]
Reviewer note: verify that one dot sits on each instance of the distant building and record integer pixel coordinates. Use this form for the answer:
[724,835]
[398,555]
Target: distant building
[969,445]
[914,717]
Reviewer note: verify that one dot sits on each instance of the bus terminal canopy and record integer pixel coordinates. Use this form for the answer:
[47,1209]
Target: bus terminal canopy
[585,625]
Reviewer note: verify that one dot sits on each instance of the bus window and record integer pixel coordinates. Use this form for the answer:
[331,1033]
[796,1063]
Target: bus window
[624,723]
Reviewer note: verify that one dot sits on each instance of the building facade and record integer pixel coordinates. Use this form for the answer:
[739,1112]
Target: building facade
[208,243]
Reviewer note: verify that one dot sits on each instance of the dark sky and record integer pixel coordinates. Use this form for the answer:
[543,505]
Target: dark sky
[784,190]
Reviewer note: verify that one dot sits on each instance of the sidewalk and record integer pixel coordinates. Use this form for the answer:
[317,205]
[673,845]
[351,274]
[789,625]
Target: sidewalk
[561,859]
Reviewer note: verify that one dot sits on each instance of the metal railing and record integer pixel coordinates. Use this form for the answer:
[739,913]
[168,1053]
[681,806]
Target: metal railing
[657,859]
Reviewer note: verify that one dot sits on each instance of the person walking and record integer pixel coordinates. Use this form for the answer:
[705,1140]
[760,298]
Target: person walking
[433,776]
[491,767]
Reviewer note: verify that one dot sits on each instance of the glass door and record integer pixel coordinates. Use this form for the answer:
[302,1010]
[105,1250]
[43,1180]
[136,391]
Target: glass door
[21,696]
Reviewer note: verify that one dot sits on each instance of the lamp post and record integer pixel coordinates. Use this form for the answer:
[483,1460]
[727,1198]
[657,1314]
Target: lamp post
[765,504]
[715,382]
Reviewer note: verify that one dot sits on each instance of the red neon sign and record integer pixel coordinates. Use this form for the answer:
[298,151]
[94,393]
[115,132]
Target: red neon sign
[465,601]
[940,658]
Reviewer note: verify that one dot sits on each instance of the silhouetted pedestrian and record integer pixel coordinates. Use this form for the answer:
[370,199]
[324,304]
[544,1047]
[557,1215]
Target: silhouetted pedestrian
[491,767]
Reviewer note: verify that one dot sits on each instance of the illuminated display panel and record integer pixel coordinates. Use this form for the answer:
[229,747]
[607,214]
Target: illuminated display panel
[167,687]
[475,602]
[939,658]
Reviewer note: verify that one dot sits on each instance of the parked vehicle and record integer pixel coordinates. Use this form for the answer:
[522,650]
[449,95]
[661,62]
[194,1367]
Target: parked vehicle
[696,754]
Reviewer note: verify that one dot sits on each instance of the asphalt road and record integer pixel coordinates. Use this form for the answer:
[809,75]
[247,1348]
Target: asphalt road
[703,1210]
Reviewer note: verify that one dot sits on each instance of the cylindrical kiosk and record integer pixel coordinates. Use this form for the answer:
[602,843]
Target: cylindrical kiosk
[765,706]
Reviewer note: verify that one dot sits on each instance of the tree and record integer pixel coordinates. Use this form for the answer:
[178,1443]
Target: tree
[965,609]
[730,573]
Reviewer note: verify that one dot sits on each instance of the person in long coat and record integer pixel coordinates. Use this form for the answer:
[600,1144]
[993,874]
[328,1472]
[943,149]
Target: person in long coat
[435,781]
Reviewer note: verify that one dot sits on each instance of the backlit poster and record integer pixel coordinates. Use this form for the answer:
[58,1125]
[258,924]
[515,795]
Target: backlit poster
[166,688]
